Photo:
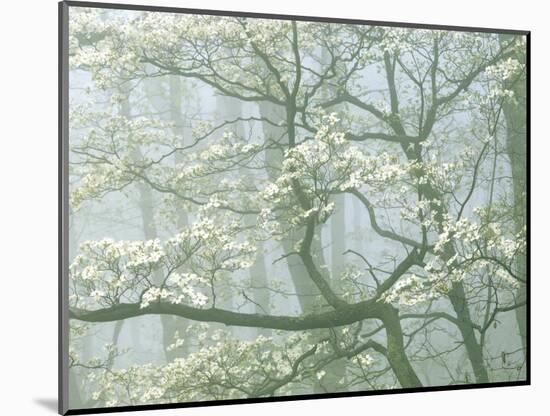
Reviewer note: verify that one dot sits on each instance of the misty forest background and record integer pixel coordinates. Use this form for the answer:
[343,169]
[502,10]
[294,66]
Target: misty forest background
[266,207]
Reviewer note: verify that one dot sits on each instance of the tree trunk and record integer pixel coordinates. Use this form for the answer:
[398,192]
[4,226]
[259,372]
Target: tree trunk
[396,354]
[516,146]
[305,288]
[231,109]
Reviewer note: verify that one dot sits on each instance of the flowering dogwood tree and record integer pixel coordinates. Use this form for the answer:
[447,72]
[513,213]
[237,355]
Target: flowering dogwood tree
[282,125]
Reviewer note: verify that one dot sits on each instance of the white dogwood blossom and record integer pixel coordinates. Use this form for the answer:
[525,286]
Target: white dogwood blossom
[109,271]
[323,166]
[344,183]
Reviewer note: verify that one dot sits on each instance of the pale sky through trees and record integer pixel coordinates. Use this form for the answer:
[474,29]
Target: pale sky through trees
[262,207]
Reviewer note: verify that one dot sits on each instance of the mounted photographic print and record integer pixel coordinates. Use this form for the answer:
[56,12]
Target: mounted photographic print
[263,208]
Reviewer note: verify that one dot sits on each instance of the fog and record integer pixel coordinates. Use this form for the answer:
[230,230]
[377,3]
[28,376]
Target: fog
[329,208]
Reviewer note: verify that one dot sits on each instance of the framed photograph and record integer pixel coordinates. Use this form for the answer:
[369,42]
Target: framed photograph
[262,207]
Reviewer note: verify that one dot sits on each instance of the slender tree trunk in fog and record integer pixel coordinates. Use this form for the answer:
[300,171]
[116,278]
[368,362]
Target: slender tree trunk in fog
[146,207]
[303,285]
[516,147]
[170,324]
[305,288]
[231,109]
[116,335]
[459,302]
[336,370]
[173,324]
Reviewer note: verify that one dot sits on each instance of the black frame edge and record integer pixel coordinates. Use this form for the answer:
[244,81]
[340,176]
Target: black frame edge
[63,214]
[213,403]
[528,205]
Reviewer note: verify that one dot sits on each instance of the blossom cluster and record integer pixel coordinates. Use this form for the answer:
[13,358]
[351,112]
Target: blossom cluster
[463,249]
[322,166]
[182,269]
[224,367]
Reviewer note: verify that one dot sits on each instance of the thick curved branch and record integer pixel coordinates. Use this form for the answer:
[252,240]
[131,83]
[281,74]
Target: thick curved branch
[346,315]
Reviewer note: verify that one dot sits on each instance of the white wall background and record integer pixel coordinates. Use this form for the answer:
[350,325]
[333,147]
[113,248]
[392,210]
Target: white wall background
[28,205]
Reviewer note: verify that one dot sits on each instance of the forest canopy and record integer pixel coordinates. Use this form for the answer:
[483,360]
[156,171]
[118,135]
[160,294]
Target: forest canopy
[264,207]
